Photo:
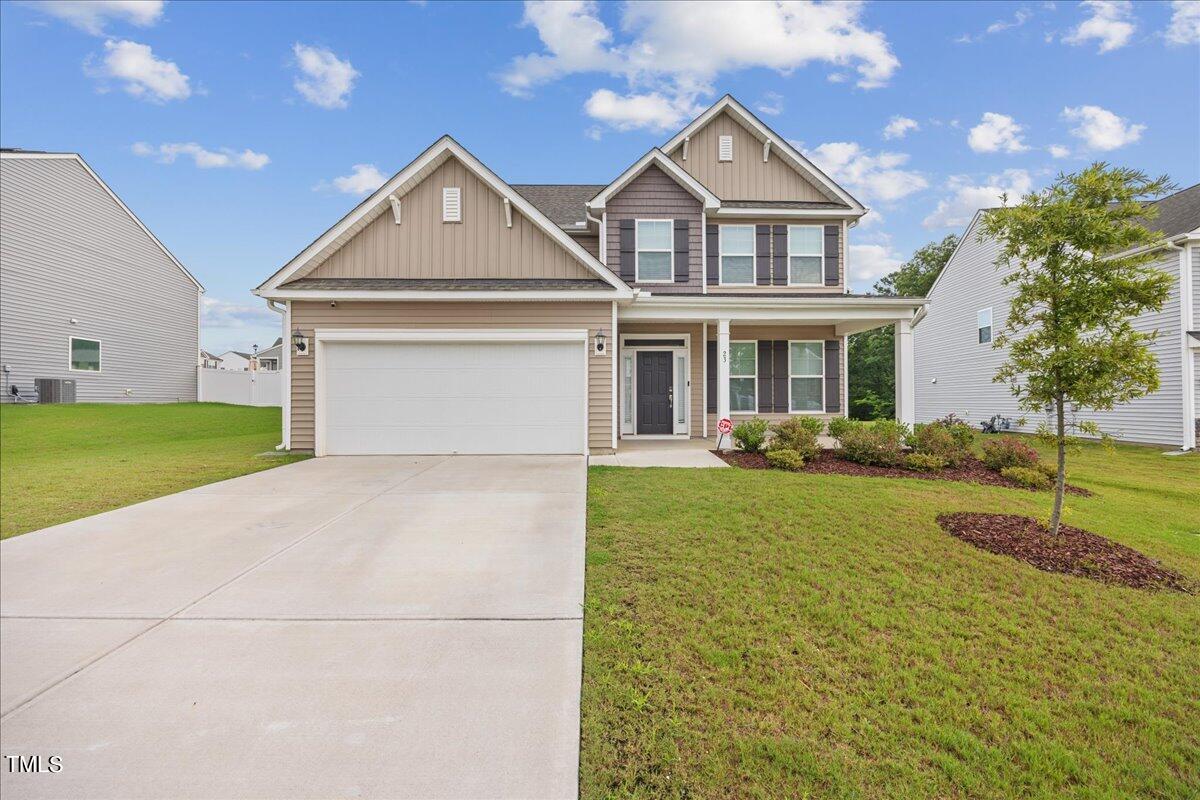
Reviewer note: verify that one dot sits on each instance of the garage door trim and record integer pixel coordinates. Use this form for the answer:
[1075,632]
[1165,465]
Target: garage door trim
[324,335]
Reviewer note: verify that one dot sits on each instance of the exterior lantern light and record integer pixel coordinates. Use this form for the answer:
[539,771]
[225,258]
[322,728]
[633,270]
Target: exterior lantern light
[601,340]
[300,342]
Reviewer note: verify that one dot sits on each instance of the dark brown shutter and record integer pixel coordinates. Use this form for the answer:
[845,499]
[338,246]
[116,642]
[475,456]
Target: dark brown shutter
[833,367]
[779,259]
[682,259]
[831,254]
[779,371]
[710,376]
[762,254]
[713,255]
[628,251]
[765,384]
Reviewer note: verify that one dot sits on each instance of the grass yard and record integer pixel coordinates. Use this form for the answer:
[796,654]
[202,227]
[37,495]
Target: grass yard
[756,634]
[63,462]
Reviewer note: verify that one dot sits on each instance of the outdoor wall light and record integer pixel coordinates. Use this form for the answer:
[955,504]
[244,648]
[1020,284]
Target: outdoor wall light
[601,341]
[300,342]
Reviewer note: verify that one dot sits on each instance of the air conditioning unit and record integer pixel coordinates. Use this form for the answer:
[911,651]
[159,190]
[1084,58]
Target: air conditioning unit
[55,390]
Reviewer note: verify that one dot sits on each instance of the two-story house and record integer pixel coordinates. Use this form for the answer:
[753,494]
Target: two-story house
[451,312]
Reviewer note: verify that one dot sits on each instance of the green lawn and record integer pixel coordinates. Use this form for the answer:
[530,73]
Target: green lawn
[62,462]
[766,634]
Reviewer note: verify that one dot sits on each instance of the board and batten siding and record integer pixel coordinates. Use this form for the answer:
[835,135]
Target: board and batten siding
[747,177]
[695,365]
[947,350]
[656,195]
[68,251]
[423,246]
[308,316]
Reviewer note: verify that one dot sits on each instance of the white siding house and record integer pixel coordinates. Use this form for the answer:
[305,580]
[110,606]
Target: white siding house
[955,362]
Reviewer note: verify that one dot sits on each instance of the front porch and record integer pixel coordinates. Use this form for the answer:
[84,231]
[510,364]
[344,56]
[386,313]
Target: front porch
[679,452]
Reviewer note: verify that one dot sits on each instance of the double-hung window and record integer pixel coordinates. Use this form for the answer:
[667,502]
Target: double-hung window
[806,377]
[806,252]
[743,377]
[84,355]
[737,255]
[654,251]
[983,321]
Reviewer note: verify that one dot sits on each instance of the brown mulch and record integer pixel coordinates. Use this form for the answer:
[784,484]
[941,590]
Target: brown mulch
[1071,552]
[972,470]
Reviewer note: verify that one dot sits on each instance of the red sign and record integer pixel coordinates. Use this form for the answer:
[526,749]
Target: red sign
[725,426]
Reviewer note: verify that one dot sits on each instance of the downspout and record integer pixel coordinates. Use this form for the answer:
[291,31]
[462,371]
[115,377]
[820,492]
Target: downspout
[287,371]
[1186,364]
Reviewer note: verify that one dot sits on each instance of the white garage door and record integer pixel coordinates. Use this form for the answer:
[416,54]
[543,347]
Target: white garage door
[452,397]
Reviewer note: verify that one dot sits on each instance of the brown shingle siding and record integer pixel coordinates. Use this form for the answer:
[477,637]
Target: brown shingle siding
[656,195]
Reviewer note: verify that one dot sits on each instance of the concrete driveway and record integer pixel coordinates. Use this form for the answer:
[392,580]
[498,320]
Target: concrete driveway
[341,627]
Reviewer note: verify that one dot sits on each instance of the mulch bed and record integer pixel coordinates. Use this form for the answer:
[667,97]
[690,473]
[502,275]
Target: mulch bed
[1071,552]
[972,470]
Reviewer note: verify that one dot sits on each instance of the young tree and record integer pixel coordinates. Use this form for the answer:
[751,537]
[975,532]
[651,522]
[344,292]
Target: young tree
[1080,267]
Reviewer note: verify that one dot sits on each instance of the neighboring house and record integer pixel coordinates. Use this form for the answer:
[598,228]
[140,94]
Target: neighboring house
[209,361]
[451,312]
[968,306]
[87,292]
[271,359]
[235,360]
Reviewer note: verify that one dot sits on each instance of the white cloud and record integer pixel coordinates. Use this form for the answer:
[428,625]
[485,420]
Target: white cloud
[771,104]
[141,73]
[1111,24]
[1101,129]
[325,80]
[1021,16]
[652,111]
[966,197]
[669,53]
[898,127]
[1184,27]
[870,262]
[868,177]
[92,15]
[363,178]
[228,325]
[1059,151]
[225,157]
[997,132]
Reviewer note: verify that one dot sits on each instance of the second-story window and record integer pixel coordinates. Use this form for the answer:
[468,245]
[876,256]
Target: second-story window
[806,251]
[654,251]
[737,255]
[983,321]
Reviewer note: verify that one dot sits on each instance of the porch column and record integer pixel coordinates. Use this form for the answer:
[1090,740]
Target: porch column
[906,387]
[723,370]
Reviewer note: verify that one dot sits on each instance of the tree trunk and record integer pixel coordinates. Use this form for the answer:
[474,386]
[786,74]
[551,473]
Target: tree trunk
[1060,482]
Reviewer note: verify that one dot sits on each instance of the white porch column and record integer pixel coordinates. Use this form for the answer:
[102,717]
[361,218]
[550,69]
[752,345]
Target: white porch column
[906,387]
[723,370]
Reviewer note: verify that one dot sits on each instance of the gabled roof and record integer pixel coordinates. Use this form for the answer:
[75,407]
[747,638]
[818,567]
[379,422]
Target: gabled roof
[563,203]
[658,158]
[12,153]
[403,182]
[778,145]
[1177,213]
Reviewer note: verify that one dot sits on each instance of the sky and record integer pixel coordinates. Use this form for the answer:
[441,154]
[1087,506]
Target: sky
[240,132]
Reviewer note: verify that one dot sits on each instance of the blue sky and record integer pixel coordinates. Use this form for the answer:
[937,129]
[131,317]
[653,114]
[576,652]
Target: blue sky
[226,127]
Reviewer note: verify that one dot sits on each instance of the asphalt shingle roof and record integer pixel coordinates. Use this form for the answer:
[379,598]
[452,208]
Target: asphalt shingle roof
[1177,213]
[562,202]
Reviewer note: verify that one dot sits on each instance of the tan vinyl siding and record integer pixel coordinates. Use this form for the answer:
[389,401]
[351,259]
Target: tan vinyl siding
[308,316]
[422,246]
[789,289]
[695,356]
[747,177]
[656,195]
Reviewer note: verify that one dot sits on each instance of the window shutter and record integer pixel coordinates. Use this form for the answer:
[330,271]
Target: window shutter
[762,254]
[779,372]
[779,259]
[765,384]
[451,204]
[682,254]
[725,148]
[833,366]
[713,248]
[710,376]
[832,233]
[628,253]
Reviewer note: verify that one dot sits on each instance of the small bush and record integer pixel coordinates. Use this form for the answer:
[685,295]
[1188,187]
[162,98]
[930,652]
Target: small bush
[1008,451]
[797,434]
[785,459]
[1027,477]
[925,462]
[936,440]
[750,435]
[963,433]
[892,429]
[839,425]
[1047,469]
[881,443]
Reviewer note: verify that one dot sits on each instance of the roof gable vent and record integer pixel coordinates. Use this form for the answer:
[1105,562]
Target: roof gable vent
[725,148]
[451,204]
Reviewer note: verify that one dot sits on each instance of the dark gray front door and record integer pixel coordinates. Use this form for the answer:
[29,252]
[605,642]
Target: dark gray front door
[654,392]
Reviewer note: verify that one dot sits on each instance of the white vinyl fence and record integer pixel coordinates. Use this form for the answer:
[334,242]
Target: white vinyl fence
[259,388]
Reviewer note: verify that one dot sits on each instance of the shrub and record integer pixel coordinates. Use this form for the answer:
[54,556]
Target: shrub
[750,435]
[936,440]
[925,462]
[839,425]
[1028,477]
[797,434]
[785,459]
[881,443]
[1008,451]
[1047,469]
[963,433]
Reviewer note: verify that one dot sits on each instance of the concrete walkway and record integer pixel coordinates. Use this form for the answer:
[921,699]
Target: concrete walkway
[661,453]
[341,627]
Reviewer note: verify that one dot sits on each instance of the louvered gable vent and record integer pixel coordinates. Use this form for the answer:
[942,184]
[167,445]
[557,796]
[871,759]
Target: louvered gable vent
[451,204]
[725,148]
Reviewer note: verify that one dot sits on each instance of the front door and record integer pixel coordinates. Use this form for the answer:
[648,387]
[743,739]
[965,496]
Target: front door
[654,392]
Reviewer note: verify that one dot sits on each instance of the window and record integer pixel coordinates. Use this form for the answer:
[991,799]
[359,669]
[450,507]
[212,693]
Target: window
[743,377]
[806,252]
[451,204]
[737,255]
[654,251]
[85,355]
[984,322]
[806,377]
[682,393]
[627,389]
[725,148]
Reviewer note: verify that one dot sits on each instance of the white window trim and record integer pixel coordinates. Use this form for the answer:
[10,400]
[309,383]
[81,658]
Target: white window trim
[821,239]
[821,342]
[447,193]
[990,326]
[638,249]
[732,376]
[721,255]
[99,347]
[679,430]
